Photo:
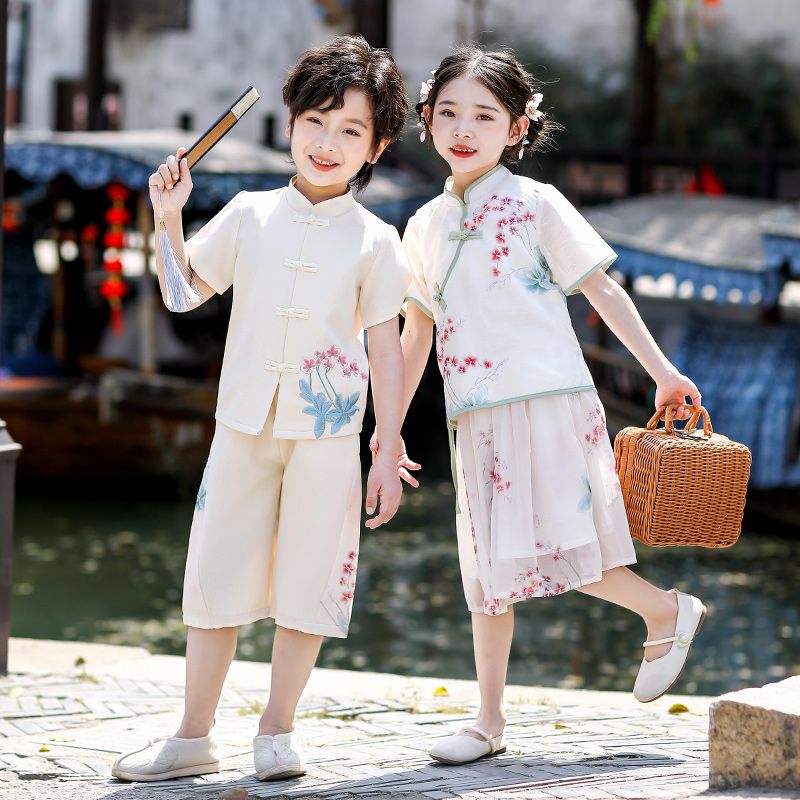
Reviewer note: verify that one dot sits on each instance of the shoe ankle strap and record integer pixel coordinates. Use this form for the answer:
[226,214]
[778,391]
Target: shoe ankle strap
[682,639]
[488,738]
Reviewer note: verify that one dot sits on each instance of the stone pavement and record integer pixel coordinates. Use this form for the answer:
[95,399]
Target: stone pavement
[366,734]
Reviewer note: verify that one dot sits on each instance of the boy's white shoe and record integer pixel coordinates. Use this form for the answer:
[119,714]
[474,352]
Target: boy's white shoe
[656,677]
[275,757]
[161,759]
[463,748]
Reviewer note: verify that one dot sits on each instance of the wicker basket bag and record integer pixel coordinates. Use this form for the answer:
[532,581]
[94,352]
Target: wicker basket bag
[682,486]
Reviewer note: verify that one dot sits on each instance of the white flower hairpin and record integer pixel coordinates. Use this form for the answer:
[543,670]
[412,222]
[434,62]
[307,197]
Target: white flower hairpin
[533,113]
[424,90]
[532,107]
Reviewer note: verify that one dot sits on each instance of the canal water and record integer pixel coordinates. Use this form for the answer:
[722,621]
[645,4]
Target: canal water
[107,570]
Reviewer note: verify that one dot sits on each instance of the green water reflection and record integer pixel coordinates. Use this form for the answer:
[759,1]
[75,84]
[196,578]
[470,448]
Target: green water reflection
[111,571]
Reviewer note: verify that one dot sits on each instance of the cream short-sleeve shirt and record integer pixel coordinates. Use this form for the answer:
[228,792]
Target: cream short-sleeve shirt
[307,279]
[492,270]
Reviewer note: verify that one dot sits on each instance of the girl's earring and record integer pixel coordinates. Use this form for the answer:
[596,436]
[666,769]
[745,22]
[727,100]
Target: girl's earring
[522,148]
[422,132]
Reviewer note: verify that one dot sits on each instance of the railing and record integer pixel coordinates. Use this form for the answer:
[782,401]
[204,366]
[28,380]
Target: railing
[9,451]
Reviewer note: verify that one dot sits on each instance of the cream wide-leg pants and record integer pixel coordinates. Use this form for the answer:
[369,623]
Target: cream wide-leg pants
[275,533]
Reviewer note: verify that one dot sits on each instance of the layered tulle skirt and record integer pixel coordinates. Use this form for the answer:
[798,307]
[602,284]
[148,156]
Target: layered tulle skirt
[540,503]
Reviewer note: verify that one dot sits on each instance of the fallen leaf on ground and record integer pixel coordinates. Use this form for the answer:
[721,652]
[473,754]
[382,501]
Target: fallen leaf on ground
[678,708]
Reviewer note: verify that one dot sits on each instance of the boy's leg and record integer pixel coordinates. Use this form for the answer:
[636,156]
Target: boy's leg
[491,639]
[315,564]
[657,607]
[294,654]
[209,653]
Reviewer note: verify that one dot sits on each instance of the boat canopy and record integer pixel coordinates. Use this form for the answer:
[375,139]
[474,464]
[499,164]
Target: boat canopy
[719,248]
[97,158]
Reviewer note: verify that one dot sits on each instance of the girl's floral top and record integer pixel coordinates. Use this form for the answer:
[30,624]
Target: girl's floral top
[493,271]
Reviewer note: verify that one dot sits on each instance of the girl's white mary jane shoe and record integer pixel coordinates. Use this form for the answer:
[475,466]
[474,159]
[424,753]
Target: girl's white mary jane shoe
[656,677]
[276,758]
[462,748]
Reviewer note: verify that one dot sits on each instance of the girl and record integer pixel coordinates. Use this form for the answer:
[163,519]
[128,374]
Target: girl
[276,523]
[540,507]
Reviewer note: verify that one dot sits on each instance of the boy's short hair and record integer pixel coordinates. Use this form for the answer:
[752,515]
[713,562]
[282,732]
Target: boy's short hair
[322,75]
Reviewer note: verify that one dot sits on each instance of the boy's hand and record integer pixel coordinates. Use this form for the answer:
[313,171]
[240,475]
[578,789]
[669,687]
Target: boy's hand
[384,482]
[174,182]
[675,388]
[404,463]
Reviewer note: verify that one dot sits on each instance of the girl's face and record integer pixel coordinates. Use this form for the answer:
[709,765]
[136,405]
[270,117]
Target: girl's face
[330,147]
[470,127]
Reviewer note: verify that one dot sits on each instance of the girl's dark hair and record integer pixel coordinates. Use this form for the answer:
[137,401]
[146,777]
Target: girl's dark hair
[322,75]
[502,74]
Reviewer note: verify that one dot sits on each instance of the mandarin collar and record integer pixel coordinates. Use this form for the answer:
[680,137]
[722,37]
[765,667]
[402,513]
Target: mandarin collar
[334,207]
[479,188]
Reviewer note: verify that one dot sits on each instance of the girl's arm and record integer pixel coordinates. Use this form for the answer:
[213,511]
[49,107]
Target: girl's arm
[616,308]
[173,181]
[415,344]
[386,366]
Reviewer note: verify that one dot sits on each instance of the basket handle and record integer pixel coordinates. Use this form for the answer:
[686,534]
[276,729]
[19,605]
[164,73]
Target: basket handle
[668,412]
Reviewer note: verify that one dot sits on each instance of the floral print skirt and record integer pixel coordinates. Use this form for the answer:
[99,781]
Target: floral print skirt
[540,503]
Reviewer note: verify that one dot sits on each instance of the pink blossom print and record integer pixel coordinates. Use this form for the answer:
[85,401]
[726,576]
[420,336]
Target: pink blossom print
[340,598]
[479,372]
[508,220]
[595,427]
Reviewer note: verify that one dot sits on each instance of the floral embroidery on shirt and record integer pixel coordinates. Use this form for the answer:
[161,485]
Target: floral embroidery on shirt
[483,370]
[329,405]
[200,503]
[513,220]
[536,277]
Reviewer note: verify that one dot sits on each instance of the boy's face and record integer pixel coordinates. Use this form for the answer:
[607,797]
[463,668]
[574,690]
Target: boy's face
[470,127]
[330,147]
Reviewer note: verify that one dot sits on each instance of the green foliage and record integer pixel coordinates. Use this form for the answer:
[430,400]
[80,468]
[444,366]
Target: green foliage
[727,96]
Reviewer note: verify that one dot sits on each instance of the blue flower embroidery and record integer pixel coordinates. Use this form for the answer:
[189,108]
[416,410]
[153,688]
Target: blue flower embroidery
[343,410]
[200,503]
[319,408]
[538,277]
[329,405]
[585,503]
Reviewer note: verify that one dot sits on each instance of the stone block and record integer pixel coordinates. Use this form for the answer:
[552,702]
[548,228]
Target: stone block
[754,737]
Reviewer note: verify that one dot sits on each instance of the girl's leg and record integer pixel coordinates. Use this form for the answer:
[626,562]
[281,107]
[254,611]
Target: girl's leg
[294,654]
[657,607]
[209,653]
[491,638]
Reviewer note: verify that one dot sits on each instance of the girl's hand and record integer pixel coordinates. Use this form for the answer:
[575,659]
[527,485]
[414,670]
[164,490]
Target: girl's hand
[384,482]
[675,388]
[404,463]
[174,182]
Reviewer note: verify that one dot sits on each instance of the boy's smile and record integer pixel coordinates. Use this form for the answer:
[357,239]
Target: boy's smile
[329,146]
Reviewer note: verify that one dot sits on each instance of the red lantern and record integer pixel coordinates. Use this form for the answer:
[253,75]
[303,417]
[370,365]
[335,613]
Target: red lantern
[117,216]
[116,192]
[112,265]
[113,288]
[114,239]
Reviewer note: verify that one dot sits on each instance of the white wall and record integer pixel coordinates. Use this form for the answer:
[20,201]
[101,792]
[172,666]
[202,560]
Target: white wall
[229,44]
